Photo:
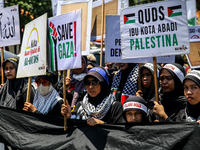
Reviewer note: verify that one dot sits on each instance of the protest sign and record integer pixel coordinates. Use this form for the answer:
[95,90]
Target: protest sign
[113,45]
[194,33]
[32,60]
[154,29]
[86,6]
[194,56]
[65,41]
[112,7]
[9,26]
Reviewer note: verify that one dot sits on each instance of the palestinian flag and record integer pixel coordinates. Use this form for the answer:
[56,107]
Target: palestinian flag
[191,12]
[129,18]
[174,11]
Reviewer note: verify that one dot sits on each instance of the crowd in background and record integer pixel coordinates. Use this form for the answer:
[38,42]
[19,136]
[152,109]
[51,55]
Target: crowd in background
[109,94]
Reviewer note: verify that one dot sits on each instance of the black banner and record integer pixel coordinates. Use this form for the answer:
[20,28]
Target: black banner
[24,130]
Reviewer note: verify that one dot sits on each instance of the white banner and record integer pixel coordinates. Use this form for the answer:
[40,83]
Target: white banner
[194,33]
[9,26]
[65,41]
[154,29]
[86,15]
[32,60]
[113,45]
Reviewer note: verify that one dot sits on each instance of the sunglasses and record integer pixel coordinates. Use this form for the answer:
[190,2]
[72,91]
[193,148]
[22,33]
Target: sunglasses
[44,82]
[94,82]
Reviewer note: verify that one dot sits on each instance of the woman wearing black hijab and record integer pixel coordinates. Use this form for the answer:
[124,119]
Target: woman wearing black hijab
[125,81]
[98,105]
[172,106]
[147,80]
[191,84]
[13,93]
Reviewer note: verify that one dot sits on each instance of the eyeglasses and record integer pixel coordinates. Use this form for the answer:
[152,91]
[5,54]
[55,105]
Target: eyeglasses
[44,82]
[94,82]
[166,77]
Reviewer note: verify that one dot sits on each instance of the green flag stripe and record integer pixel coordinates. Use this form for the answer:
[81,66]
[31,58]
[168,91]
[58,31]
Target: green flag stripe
[192,22]
[176,14]
[130,21]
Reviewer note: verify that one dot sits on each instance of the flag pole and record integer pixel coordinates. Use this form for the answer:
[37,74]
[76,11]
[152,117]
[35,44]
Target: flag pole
[102,30]
[29,90]
[155,78]
[64,97]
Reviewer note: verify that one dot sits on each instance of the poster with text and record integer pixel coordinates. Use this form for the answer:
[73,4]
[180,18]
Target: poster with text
[32,60]
[64,38]
[154,29]
[194,33]
[9,26]
[113,45]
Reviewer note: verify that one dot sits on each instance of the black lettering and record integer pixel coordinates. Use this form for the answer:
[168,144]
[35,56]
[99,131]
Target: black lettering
[112,53]
[63,32]
[147,15]
[116,52]
[162,17]
[70,29]
[154,14]
[58,29]
[140,16]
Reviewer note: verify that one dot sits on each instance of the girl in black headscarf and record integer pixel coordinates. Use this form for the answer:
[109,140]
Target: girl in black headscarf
[98,105]
[147,80]
[172,105]
[192,93]
[125,81]
[13,93]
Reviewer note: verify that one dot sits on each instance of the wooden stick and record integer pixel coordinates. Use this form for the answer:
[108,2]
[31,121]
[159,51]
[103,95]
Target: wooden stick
[102,30]
[64,97]
[29,90]
[2,73]
[139,79]
[155,78]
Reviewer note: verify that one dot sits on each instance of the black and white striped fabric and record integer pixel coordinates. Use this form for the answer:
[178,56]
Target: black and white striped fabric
[87,110]
[44,104]
[130,87]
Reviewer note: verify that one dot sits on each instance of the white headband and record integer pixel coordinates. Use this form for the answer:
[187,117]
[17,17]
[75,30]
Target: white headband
[150,66]
[176,70]
[194,73]
[135,105]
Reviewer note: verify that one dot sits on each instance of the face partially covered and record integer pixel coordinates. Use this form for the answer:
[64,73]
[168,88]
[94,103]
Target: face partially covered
[167,81]
[10,71]
[146,78]
[123,66]
[133,116]
[191,92]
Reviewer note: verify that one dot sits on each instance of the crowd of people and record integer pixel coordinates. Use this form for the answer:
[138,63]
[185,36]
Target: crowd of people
[108,94]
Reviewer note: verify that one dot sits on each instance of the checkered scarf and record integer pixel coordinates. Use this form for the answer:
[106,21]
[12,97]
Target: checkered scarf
[130,87]
[87,110]
[45,104]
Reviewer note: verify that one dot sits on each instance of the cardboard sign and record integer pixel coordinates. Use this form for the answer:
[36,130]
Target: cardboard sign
[194,33]
[154,29]
[32,60]
[112,7]
[86,6]
[65,41]
[113,45]
[194,56]
[9,26]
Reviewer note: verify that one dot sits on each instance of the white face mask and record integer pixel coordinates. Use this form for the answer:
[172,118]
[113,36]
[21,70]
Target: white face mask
[79,77]
[44,90]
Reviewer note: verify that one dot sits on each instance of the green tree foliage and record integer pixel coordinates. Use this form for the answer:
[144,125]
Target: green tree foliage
[139,2]
[30,9]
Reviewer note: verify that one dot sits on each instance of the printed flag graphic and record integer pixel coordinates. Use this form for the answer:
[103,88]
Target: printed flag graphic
[128,17]
[171,10]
